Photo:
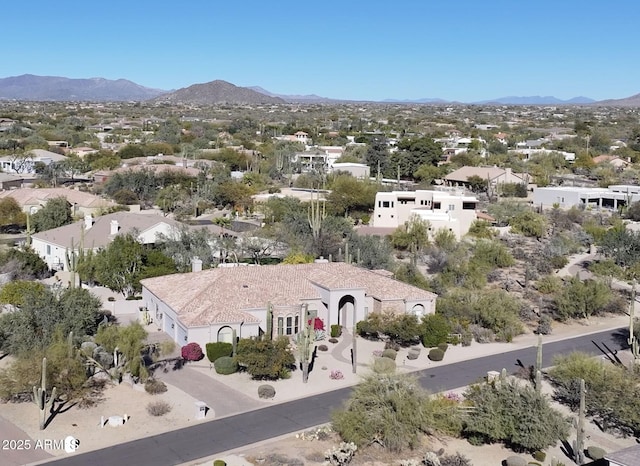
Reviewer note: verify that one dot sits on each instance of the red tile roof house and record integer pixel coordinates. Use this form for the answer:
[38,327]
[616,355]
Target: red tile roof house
[206,306]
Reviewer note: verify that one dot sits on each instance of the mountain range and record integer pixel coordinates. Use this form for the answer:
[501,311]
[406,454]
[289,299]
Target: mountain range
[54,88]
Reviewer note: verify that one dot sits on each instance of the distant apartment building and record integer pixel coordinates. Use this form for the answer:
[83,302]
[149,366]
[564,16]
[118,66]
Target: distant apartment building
[450,210]
[613,197]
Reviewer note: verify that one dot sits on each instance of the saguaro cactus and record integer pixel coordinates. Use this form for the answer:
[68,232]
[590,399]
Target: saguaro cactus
[269,322]
[306,339]
[234,342]
[40,396]
[316,216]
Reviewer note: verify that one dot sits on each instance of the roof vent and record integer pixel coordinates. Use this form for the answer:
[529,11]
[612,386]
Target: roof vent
[245,286]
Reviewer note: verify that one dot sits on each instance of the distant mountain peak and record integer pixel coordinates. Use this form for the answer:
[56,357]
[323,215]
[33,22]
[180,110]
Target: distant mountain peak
[33,87]
[218,91]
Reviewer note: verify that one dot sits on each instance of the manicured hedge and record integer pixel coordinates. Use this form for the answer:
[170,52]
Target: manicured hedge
[217,350]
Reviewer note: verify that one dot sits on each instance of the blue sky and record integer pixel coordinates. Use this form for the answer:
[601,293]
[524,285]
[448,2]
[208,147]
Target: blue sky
[464,50]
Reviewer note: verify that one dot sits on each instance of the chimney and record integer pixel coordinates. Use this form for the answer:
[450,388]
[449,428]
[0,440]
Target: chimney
[88,221]
[114,227]
[196,265]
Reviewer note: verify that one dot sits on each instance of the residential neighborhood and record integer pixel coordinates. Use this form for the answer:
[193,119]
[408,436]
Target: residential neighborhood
[180,251]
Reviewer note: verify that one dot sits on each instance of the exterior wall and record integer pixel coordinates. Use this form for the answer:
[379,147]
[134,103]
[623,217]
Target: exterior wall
[53,255]
[393,209]
[357,170]
[566,197]
[149,236]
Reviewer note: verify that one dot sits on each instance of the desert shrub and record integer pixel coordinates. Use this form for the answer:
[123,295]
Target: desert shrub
[515,461]
[155,386]
[340,455]
[217,350]
[481,334]
[390,344]
[579,298]
[266,391]
[413,354]
[226,365]
[515,414]
[333,340]
[266,359]
[336,330]
[455,460]
[323,348]
[394,409]
[544,325]
[443,346]
[436,354]
[595,453]
[219,463]
[384,366]
[192,352]
[158,408]
[539,456]
[336,375]
[389,353]
[549,284]
[467,338]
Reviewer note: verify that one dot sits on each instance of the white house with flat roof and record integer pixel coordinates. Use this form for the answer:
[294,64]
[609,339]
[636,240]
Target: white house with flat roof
[453,211]
[565,197]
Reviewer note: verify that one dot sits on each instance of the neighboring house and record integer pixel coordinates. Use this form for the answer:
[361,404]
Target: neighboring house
[25,164]
[629,456]
[33,199]
[96,233]
[103,176]
[206,306]
[613,197]
[298,136]
[494,176]
[613,160]
[528,152]
[442,209]
[9,181]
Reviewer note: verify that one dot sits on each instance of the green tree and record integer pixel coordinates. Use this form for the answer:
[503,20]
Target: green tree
[266,359]
[413,153]
[529,224]
[435,330]
[477,184]
[55,213]
[119,265]
[349,194]
[11,215]
[413,235]
[43,313]
[23,264]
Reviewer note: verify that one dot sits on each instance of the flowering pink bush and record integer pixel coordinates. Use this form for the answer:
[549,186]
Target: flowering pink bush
[453,397]
[336,375]
[317,323]
[192,352]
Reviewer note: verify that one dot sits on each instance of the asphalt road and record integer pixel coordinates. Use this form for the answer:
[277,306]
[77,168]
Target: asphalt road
[221,435]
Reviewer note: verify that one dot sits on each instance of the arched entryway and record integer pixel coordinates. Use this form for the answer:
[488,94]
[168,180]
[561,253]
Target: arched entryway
[225,334]
[347,311]
[418,310]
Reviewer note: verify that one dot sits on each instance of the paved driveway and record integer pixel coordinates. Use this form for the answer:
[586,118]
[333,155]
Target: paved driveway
[223,400]
[12,457]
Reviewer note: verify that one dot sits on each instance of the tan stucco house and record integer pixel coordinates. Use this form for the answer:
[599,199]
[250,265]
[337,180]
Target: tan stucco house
[206,306]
